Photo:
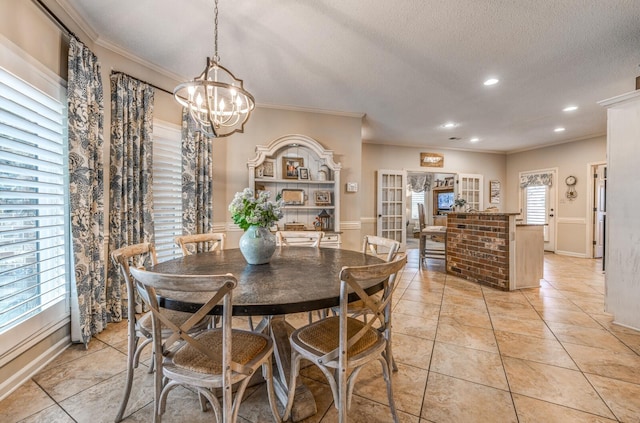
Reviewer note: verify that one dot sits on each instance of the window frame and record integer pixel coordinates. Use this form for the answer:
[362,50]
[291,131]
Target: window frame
[20,337]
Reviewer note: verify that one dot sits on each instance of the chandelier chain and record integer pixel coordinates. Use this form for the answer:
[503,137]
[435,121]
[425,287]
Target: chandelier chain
[216,58]
[216,100]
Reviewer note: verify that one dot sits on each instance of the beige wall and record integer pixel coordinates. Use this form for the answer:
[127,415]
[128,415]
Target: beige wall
[375,156]
[338,133]
[572,216]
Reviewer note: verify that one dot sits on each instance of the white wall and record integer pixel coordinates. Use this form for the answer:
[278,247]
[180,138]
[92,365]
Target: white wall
[572,158]
[622,254]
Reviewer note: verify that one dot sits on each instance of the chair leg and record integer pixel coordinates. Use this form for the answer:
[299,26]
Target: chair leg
[237,400]
[386,372]
[139,348]
[342,396]
[158,391]
[131,349]
[267,373]
[388,355]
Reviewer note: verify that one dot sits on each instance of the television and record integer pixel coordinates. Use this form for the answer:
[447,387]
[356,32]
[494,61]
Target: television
[445,201]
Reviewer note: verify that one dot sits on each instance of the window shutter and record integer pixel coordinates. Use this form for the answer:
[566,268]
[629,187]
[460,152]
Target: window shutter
[416,197]
[167,190]
[535,207]
[34,252]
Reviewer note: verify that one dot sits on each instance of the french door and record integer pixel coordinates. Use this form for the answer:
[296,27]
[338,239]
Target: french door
[470,187]
[391,222]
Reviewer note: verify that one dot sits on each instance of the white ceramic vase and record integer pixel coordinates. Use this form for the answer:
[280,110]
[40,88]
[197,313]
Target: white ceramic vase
[257,245]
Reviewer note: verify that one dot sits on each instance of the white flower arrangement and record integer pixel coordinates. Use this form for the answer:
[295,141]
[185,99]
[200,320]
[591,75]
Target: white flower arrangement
[247,210]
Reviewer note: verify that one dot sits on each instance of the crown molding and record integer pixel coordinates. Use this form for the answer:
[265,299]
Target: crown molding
[358,115]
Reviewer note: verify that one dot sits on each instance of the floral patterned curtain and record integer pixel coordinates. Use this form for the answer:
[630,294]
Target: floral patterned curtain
[419,182]
[130,181]
[197,179]
[536,179]
[86,126]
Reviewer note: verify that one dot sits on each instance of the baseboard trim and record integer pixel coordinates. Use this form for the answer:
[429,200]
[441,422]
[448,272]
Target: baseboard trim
[27,372]
[570,254]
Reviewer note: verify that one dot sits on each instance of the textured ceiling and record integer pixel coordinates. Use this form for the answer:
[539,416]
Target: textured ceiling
[408,65]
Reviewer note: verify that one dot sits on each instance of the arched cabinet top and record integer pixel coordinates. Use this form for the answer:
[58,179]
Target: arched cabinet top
[293,140]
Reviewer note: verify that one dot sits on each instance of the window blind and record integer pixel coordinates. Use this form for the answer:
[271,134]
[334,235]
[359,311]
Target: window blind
[416,197]
[167,190]
[536,205]
[34,252]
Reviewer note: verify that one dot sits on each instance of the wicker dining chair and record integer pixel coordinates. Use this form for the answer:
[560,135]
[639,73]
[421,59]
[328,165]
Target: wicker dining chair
[379,246]
[387,249]
[302,239]
[374,245]
[299,238]
[341,345]
[210,359]
[135,256]
[197,243]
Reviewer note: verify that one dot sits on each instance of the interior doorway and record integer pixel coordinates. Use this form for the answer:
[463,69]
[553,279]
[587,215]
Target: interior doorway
[435,190]
[599,210]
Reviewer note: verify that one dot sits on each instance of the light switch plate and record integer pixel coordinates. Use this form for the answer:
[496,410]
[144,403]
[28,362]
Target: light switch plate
[352,187]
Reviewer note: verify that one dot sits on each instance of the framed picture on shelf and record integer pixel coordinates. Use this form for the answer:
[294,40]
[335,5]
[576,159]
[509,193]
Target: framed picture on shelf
[260,171]
[303,173]
[323,198]
[293,197]
[268,168]
[290,167]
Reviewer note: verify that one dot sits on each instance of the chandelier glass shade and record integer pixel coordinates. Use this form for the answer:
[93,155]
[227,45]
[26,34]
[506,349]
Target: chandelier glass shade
[216,100]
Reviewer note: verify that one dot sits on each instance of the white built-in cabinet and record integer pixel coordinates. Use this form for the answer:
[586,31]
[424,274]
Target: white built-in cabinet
[302,172]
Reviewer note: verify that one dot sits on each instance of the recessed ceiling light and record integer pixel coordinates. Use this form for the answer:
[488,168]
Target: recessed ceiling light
[560,129]
[570,108]
[491,81]
[449,125]
[475,139]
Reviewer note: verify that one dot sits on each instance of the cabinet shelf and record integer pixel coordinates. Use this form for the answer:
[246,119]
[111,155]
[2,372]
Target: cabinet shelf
[309,207]
[313,157]
[293,181]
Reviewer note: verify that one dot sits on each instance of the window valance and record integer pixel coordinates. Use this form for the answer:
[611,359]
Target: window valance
[419,182]
[536,179]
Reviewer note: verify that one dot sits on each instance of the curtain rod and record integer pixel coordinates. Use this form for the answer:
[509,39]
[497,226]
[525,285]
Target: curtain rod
[68,32]
[113,72]
[54,18]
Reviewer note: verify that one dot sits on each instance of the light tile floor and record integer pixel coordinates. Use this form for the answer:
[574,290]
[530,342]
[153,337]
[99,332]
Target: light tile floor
[465,353]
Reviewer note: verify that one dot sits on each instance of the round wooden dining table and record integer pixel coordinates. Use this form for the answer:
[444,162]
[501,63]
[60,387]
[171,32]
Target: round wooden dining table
[297,279]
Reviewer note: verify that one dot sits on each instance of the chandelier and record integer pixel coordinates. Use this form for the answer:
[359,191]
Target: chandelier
[216,99]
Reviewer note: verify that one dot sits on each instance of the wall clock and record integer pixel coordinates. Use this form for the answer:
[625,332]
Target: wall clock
[571,182]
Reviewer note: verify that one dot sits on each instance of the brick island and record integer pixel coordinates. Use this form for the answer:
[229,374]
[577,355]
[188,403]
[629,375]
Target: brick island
[491,249]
